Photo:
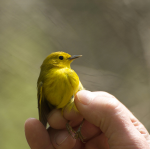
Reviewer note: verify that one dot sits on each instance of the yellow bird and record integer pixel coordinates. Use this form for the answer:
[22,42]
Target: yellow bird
[57,84]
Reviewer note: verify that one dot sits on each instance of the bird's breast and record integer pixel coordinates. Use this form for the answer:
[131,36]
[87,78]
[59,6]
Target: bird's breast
[60,85]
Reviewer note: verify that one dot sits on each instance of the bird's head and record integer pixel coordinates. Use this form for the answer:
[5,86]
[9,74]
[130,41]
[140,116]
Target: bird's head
[59,59]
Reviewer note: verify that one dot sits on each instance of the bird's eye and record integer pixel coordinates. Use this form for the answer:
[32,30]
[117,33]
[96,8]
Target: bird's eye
[61,57]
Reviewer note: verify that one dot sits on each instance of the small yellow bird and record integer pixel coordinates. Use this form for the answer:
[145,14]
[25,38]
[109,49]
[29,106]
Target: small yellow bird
[57,84]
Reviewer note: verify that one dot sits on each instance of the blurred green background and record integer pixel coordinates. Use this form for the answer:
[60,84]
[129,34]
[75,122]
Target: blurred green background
[112,35]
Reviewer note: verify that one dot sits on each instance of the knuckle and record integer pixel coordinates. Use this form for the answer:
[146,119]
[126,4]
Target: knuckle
[107,101]
[112,104]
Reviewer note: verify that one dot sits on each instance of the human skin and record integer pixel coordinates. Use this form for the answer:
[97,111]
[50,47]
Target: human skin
[108,124]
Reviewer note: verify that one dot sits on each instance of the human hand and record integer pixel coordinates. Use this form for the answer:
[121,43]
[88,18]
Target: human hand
[108,124]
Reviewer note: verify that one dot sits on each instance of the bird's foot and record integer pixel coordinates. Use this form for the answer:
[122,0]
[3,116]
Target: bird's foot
[75,134]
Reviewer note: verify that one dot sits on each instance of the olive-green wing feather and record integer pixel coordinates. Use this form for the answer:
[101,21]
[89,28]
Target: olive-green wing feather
[43,106]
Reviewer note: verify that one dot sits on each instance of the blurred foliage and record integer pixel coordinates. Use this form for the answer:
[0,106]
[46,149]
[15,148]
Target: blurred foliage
[113,37]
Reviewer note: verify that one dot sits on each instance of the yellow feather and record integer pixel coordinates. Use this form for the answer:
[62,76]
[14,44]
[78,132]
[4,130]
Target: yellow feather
[59,82]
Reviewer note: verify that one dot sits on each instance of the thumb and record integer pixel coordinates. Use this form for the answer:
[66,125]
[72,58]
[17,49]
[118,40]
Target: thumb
[111,116]
[97,107]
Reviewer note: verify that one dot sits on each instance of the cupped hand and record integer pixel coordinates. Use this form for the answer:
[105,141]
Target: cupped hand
[108,124]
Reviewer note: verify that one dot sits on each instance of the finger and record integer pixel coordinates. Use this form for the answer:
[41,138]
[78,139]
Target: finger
[79,145]
[99,142]
[73,116]
[36,134]
[111,117]
[61,139]
[89,130]
[140,127]
[56,120]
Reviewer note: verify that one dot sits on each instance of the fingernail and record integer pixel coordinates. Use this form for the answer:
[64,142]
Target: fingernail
[61,137]
[85,97]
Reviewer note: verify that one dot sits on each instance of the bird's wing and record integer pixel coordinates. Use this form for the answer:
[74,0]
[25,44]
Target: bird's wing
[43,106]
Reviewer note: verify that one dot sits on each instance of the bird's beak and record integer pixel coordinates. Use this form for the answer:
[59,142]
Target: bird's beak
[74,57]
